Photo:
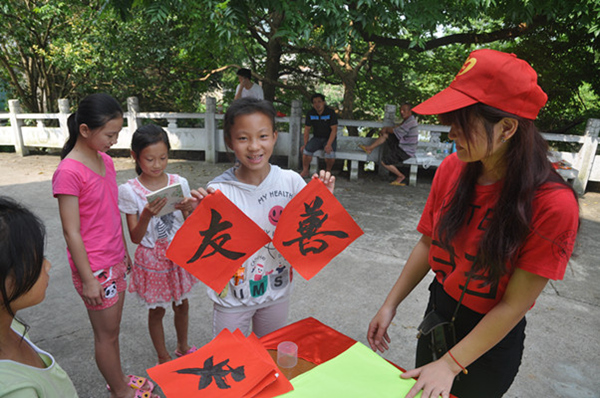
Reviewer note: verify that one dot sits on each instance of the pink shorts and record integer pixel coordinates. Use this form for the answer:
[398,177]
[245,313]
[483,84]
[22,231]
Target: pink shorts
[113,281]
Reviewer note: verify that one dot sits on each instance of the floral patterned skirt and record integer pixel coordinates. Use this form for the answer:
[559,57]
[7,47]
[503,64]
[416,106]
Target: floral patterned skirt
[158,280]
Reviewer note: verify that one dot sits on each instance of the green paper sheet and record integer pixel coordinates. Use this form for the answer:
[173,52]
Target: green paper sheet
[357,372]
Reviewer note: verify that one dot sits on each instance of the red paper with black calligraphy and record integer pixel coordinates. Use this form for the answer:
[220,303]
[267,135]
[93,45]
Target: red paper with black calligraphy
[314,228]
[215,240]
[224,368]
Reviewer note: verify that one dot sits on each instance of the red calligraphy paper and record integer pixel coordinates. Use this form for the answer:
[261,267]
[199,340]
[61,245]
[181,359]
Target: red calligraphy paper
[317,342]
[314,228]
[227,367]
[268,388]
[215,240]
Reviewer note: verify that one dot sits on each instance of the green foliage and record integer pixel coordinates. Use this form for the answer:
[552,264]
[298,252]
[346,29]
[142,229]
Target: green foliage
[362,53]
[564,64]
[43,51]
[78,49]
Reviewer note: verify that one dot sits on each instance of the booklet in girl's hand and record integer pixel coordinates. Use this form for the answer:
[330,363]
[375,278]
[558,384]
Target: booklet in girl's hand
[174,195]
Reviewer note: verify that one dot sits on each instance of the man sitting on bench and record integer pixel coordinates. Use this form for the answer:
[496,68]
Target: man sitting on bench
[401,143]
[324,123]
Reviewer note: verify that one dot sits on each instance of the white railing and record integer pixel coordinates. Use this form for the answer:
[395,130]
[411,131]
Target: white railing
[207,136]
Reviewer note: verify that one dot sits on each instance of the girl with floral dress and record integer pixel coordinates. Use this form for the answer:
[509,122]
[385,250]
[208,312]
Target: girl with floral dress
[156,279]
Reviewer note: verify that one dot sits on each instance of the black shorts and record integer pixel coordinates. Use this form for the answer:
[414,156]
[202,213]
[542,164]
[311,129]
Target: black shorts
[316,143]
[493,373]
[392,154]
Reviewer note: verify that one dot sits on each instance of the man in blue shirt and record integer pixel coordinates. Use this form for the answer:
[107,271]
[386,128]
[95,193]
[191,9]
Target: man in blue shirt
[324,123]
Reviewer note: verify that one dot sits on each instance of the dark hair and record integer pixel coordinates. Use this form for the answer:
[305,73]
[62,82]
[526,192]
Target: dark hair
[145,136]
[407,104]
[22,237]
[95,111]
[246,106]
[317,95]
[527,168]
[244,73]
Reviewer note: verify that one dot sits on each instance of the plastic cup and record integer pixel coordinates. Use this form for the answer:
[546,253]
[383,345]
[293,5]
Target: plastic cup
[287,354]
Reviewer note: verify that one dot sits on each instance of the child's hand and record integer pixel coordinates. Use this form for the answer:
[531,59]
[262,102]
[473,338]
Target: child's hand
[200,194]
[154,207]
[327,178]
[92,292]
[187,205]
[128,261]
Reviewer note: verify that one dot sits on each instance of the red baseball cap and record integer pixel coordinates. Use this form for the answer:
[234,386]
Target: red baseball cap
[494,78]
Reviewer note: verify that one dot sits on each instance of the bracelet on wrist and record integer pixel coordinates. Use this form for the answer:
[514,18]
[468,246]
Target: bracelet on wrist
[464,370]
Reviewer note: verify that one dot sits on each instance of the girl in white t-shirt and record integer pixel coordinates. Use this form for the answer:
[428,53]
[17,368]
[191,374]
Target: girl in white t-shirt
[154,278]
[257,297]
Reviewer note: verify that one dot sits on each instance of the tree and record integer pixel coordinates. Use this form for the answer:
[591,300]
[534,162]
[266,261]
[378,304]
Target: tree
[68,49]
[565,66]
[41,48]
[293,29]
[347,36]
[171,52]
[568,30]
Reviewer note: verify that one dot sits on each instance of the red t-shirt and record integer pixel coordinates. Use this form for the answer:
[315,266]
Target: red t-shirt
[545,251]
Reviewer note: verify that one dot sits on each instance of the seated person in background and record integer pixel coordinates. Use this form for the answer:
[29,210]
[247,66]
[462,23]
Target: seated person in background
[324,123]
[401,143]
[246,88]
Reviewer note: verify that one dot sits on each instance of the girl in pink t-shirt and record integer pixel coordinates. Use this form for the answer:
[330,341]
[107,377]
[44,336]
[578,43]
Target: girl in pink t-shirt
[86,188]
[158,281]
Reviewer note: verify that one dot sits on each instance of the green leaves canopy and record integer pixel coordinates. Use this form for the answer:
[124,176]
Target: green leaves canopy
[365,53]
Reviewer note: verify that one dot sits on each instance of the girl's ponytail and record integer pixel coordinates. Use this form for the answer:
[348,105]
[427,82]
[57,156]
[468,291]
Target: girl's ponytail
[95,111]
[73,134]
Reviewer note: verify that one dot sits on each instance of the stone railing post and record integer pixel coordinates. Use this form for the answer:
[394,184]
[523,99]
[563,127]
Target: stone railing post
[210,124]
[133,108]
[389,119]
[63,115]
[588,153]
[295,135]
[389,115]
[14,108]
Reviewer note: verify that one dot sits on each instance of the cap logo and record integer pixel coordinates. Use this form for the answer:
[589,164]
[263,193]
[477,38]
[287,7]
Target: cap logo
[468,65]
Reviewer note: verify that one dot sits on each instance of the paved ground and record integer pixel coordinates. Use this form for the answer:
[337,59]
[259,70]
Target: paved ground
[562,345]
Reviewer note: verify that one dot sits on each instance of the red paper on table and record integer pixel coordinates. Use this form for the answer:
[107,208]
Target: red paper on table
[317,342]
[215,240]
[313,228]
[227,367]
[267,388]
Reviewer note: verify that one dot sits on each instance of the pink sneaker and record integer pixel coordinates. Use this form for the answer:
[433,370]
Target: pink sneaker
[180,354]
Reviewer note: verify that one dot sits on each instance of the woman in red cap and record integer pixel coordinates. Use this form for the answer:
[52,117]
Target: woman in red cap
[498,224]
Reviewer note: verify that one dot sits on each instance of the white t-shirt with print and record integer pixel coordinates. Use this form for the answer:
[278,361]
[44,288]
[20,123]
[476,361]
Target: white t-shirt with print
[266,276]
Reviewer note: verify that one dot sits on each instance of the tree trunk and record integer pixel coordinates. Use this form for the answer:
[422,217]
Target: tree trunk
[342,67]
[349,81]
[272,66]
